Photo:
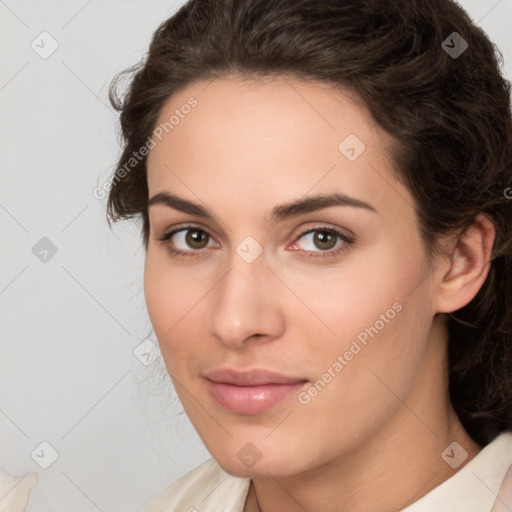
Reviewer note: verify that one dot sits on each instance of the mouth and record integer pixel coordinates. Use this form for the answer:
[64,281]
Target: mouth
[251,391]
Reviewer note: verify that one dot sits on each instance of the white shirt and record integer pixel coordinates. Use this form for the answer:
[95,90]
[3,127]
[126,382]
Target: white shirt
[474,488]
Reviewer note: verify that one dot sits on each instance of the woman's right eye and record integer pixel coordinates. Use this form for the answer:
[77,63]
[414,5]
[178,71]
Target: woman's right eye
[187,241]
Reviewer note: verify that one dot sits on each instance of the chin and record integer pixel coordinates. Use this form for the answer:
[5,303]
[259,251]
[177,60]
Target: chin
[277,465]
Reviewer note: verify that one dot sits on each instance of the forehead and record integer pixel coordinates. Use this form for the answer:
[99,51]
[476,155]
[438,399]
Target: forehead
[275,137]
[264,107]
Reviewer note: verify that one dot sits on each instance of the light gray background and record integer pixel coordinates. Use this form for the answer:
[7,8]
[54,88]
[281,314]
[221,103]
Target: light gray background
[68,374]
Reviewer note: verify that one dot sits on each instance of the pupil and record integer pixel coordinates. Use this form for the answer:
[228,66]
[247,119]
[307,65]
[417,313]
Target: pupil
[194,238]
[324,239]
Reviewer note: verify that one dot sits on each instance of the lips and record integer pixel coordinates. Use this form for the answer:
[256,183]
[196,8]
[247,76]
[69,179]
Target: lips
[250,391]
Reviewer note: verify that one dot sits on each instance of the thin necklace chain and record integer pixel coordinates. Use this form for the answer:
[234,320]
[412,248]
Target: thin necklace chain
[256,498]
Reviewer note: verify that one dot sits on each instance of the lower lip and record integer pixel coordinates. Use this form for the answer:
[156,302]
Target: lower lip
[251,399]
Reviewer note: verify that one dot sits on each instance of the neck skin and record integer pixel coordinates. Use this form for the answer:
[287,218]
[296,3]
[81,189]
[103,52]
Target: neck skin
[391,470]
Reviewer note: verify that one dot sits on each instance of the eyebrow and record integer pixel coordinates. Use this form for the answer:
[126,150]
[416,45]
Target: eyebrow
[279,213]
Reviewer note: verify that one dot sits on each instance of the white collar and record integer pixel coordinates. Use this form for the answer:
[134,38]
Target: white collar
[475,487]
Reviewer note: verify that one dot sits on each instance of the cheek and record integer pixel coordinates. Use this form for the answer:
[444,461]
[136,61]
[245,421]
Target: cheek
[167,295]
[343,300]
[368,312]
[174,297]
[158,294]
[375,355]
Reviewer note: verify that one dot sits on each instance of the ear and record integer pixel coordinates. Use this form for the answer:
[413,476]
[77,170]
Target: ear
[465,267]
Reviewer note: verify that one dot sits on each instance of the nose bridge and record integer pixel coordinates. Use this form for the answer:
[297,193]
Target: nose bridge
[244,305]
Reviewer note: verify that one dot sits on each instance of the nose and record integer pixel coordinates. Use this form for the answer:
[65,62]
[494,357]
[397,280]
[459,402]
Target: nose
[247,304]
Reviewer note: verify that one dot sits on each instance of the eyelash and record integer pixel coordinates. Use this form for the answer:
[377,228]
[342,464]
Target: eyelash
[323,254]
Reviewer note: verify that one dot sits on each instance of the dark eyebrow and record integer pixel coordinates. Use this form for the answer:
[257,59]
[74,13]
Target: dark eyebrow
[279,213]
[317,202]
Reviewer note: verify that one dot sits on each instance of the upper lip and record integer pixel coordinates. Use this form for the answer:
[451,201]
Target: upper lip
[250,377]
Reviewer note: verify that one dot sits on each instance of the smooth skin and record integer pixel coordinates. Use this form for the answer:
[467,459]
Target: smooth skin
[372,438]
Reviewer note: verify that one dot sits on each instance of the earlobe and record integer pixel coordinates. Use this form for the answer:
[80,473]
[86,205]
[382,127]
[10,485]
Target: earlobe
[468,266]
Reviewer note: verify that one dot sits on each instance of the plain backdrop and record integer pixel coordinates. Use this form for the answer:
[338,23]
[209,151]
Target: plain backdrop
[77,392]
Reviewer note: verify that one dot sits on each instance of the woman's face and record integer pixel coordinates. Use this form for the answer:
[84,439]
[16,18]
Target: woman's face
[293,334]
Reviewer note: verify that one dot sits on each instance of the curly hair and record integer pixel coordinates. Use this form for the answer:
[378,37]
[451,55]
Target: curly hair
[449,115]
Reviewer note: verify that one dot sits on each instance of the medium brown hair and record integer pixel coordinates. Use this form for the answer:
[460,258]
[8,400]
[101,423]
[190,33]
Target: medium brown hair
[450,116]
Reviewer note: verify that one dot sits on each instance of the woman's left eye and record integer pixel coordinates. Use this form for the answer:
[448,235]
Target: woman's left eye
[324,240]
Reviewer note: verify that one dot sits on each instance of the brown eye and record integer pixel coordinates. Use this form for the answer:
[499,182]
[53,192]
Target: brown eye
[189,240]
[319,240]
[196,238]
[325,240]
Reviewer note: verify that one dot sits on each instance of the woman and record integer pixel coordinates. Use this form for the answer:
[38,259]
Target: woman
[323,189]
